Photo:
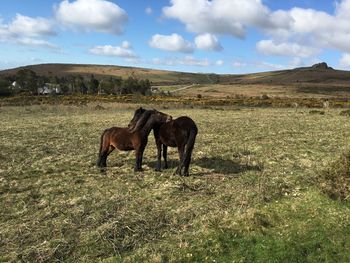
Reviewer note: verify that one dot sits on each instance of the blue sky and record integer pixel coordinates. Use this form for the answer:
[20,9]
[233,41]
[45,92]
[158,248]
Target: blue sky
[218,36]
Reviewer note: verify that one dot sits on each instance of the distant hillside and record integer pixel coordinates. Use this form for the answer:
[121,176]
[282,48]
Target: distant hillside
[158,77]
[318,73]
[318,80]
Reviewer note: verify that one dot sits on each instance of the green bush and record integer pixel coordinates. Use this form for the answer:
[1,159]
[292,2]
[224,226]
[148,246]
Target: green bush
[345,113]
[5,89]
[335,181]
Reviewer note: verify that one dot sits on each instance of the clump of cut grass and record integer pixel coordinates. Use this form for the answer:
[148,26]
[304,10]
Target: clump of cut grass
[264,97]
[99,107]
[335,180]
[317,112]
[345,113]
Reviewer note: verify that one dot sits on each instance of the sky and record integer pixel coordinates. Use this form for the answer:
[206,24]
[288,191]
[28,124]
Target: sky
[217,36]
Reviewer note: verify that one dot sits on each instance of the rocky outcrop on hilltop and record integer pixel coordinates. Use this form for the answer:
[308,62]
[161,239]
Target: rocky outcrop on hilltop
[322,65]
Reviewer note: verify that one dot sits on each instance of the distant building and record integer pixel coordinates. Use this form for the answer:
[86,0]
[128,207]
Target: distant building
[155,90]
[15,86]
[49,88]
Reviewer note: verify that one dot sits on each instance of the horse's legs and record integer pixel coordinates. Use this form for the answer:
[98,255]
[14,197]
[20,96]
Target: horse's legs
[186,166]
[102,159]
[165,154]
[186,163]
[103,156]
[138,164]
[181,150]
[159,156]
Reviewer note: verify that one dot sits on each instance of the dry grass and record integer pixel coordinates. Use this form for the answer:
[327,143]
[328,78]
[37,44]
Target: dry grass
[291,90]
[236,90]
[252,195]
[178,101]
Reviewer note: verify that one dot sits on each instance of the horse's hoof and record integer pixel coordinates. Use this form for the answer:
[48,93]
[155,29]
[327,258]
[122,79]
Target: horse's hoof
[158,170]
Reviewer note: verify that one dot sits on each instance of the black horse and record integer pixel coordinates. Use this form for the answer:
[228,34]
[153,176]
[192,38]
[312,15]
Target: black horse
[180,133]
[125,139]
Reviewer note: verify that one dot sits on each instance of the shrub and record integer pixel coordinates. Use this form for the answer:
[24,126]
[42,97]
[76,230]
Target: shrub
[345,113]
[335,181]
[315,112]
[264,97]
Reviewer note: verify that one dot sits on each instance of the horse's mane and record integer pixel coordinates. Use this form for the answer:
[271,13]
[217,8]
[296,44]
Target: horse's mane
[143,120]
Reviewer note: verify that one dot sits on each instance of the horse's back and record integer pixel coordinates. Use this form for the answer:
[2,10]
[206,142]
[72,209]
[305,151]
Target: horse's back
[185,123]
[114,131]
[177,132]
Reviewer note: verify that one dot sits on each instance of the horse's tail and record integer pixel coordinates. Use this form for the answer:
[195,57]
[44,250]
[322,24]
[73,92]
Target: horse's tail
[189,148]
[101,151]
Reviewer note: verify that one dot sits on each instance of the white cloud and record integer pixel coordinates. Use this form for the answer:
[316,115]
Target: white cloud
[31,27]
[316,28]
[238,64]
[4,32]
[296,63]
[208,42]
[28,31]
[148,11]
[191,61]
[269,66]
[173,42]
[304,27]
[270,47]
[126,45]
[35,42]
[91,15]
[134,60]
[219,62]
[183,61]
[219,16]
[345,60]
[123,51]
[257,64]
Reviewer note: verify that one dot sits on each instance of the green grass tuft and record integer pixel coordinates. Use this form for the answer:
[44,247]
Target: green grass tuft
[335,180]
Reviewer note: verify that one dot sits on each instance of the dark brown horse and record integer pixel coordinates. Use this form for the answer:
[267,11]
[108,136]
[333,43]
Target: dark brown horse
[180,133]
[126,139]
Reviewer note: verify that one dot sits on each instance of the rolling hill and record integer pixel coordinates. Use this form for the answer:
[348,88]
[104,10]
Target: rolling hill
[318,73]
[158,77]
[317,80]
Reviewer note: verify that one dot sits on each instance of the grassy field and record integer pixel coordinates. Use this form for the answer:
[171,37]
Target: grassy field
[304,90]
[260,188]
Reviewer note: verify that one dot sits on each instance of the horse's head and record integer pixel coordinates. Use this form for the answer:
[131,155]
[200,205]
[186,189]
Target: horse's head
[137,115]
[141,116]
[161,117]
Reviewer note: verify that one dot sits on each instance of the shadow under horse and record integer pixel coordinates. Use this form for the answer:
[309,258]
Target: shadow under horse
[126,139]
[225,166]
[180,133]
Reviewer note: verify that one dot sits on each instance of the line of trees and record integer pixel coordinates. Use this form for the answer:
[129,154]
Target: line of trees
[29,82]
